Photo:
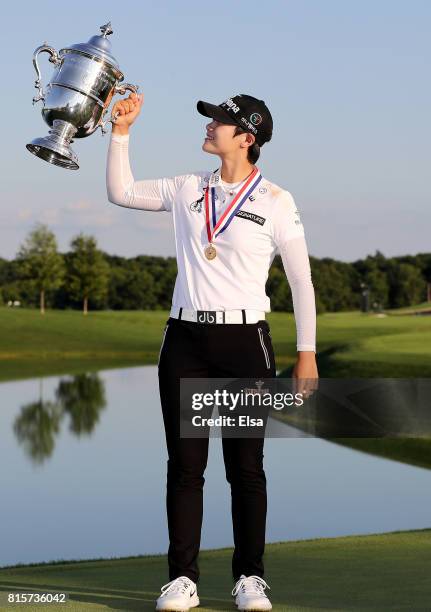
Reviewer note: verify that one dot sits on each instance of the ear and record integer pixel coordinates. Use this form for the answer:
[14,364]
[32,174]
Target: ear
[249,140]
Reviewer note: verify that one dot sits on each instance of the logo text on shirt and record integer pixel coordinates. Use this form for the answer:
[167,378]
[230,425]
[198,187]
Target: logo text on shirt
[251,216]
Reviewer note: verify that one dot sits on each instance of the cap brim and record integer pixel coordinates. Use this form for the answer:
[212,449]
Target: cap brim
[215,112]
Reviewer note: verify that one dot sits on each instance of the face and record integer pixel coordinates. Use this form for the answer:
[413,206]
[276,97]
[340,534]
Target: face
[221,141]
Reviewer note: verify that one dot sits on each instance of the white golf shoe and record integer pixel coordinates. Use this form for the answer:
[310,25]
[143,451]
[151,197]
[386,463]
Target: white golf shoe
[249,592]
[180,595]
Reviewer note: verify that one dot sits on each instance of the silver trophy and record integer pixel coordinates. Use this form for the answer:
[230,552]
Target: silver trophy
[78,96]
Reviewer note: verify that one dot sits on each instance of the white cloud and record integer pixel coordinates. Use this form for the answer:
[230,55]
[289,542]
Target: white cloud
[49,216]
[80,214]
[79,205]
[25,213]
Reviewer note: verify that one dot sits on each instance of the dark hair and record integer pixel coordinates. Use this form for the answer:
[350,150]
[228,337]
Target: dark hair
[253,152]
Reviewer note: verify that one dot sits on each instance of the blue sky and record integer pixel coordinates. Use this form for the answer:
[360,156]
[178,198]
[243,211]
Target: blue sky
[347,84]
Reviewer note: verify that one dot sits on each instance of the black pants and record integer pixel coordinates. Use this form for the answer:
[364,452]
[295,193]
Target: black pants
[197,350]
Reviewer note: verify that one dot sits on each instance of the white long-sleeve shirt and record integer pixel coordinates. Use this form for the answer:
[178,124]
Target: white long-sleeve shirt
[267,222]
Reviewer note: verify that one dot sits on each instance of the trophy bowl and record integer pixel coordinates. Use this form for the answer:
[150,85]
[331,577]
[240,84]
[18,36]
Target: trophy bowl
[77,98]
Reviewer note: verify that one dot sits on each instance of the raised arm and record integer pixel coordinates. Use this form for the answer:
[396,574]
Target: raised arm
[121,187]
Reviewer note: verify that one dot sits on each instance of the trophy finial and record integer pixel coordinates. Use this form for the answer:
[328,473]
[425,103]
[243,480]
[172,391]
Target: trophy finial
[106,29]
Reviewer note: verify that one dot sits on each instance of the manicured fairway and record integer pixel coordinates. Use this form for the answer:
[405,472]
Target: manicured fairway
[348,343]
[385,572]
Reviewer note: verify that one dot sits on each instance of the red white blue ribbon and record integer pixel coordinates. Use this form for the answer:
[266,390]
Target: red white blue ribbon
[214,227]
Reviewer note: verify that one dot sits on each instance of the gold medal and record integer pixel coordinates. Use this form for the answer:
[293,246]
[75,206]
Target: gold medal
[210,251]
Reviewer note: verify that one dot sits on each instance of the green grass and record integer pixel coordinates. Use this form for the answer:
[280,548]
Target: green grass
[407,450]
[376,572]
[62,342]
[354,344]
[349,343]
[369,572]
[422,307]
[414,451]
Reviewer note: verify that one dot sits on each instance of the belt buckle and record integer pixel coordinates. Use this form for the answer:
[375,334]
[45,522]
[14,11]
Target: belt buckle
[207,316]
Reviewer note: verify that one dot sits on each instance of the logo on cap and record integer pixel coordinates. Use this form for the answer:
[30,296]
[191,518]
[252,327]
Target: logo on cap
[249,125]
[231,105]
[256,119]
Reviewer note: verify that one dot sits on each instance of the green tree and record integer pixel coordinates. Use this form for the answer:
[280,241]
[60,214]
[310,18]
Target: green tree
[407,285]
[131,288]
[278,290]
[39,262]
[377,282]
[88,272]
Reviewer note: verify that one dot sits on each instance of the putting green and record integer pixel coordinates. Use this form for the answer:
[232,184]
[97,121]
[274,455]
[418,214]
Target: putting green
[388,571]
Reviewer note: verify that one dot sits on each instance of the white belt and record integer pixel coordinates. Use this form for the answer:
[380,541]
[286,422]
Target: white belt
[218,316]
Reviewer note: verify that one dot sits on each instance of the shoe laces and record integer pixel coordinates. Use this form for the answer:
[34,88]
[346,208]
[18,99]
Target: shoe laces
[251,585]
[178,585]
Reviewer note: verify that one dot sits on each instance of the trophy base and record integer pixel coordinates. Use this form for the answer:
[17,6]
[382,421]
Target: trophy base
[55,148]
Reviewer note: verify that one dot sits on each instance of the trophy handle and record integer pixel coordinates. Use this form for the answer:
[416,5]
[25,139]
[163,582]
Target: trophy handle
[54,59]
[120,89]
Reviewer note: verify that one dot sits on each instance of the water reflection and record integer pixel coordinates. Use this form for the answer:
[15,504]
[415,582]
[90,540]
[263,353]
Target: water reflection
[84,459]
[37,425]
[83,399]
[36,428]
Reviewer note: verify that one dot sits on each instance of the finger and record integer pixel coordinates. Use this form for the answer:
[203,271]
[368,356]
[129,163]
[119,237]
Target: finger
[311,388]
[303,387]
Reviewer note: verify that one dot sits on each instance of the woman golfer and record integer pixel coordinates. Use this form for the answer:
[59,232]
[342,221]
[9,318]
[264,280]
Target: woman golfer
[228,224]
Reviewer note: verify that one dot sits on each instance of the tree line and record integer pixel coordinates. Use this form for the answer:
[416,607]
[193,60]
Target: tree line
[40,276]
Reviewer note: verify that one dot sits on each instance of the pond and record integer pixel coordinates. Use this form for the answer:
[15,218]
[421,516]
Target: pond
[83,472]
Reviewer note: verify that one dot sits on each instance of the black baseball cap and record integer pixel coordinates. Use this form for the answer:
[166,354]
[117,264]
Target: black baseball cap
[248,112]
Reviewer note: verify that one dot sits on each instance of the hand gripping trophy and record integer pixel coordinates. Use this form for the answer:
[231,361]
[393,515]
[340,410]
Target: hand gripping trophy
[78,96]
